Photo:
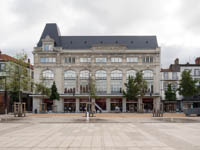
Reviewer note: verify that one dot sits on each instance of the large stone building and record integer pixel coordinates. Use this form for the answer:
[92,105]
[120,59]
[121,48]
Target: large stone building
[71,60]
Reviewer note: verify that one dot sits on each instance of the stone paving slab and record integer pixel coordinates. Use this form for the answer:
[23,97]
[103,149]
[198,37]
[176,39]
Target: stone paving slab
[56,133]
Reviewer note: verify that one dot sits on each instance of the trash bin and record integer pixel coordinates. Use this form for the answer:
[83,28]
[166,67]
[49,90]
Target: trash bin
[35,111]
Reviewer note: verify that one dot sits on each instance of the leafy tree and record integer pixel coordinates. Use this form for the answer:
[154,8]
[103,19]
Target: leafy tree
[187,86]
[54,93]
[131,89]
[19,79]
[141,84]
[40,88]
[170,94]
[135,87]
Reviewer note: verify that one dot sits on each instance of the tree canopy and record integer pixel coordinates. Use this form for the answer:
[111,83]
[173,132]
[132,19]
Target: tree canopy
[19,78]
[54,93]
[170,94]
[136,87]
[187,86]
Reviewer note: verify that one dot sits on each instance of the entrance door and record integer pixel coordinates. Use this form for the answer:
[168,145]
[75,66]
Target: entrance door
[148,104]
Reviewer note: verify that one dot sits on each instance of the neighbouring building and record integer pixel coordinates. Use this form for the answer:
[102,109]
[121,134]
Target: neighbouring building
[172,76]
[4,79]
[71,60]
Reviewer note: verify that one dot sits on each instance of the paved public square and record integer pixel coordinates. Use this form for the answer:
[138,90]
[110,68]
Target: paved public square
[73,132]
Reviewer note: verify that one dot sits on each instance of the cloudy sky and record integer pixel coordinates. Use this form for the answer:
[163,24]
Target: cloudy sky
[176,23]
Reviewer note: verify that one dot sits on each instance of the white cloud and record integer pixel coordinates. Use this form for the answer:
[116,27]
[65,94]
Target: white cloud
[175,23]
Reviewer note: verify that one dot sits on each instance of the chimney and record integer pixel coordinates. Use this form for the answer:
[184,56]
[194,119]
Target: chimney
[176,62]
[197,61]
[0,51]
[29,61]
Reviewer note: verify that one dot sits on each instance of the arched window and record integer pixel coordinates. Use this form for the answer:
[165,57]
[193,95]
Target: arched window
[116,81]
[100,74]
[84,74]
[69,74]
[148,75]
[48,77]
[101,82]
[47,74]
[116,74]
[131,73]
[84,81]
[69,81]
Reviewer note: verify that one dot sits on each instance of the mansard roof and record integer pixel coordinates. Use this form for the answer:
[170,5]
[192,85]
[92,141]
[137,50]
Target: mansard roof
[86,42]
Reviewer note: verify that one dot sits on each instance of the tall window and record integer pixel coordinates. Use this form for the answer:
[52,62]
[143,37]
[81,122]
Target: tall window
[148,76]
[48,77]
[116,59]
[197,72]
[174,76]
[84,81]
[101,81]
[2,67]
[47,59]
[69,81]
[147,59]
[131,73]
[132,59]
[116,81]
[70,60]
[101,60]
[165,75]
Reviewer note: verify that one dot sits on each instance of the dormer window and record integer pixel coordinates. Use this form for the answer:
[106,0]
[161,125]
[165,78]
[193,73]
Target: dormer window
[48,47]
[48,43]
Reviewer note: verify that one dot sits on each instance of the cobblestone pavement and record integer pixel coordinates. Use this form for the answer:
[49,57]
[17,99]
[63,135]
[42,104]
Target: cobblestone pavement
[100,133]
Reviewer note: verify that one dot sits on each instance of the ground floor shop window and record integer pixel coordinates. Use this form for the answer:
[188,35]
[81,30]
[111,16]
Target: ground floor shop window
[83,105]
[131,107]
[116,105]
[170,108]
[101,103]
[148,105]
[69,105]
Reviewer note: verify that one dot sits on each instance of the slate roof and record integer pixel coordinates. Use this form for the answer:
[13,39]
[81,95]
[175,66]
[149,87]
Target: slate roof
[86,42]
[4,57]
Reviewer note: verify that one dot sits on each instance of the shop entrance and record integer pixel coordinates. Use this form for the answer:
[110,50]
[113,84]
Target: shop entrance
[69,105]
[131,106]
[101,103]
[148,104]
[83,104]
[116,104]
[49,104]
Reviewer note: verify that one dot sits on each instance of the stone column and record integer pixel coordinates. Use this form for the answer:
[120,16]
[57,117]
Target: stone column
[77,105]
[140,109]
[78,82]
[156,103]
[108,104]
[124,105]
[59,105]
[108,83]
